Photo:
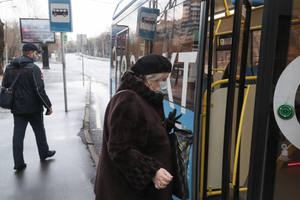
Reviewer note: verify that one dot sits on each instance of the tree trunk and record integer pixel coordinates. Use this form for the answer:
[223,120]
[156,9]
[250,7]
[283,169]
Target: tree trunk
[1,46]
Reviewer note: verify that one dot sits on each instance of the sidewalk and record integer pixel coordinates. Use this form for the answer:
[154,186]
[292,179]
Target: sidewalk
[69,173]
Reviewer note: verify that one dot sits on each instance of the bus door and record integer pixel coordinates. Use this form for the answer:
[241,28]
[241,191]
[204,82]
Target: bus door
[221,154]
[275,155]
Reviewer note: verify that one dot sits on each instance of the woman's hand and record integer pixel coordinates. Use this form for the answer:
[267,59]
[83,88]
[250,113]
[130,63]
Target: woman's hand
[162,178]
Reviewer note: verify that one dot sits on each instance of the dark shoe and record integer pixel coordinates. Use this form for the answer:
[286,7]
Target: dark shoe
[18,168]
[50,154]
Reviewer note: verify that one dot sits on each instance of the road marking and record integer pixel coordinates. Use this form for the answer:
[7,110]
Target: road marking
[98,116]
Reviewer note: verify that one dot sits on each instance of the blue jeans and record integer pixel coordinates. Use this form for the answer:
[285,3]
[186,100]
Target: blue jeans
[36,121]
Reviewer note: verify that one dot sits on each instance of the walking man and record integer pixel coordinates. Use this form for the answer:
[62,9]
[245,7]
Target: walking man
[29,99]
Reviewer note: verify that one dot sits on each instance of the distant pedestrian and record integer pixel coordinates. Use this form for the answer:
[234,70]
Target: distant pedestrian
[135,161]
[29,99]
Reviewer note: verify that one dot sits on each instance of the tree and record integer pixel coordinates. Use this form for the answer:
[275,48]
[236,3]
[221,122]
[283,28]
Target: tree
[103,44]
[30,8]
[14,44]
[1,46]
[71,46]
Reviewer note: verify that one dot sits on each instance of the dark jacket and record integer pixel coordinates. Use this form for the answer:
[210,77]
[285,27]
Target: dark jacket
[29,93]
[135,145]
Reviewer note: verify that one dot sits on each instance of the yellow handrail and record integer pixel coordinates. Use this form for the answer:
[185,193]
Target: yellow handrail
[291,148]
[238,142]
[203,129]
[258,7]
[203,146]
[253,28]
[219,192]
[217,30]
[218,69]
[227,12]
[219,82]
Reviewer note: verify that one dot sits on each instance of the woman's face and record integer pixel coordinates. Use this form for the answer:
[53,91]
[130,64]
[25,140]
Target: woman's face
[155,84]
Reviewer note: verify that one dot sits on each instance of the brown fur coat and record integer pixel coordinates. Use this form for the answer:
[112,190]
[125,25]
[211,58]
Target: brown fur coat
[135,145]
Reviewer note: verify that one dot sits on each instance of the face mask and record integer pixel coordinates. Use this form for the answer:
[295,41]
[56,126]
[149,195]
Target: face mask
[36,58]
[163,87]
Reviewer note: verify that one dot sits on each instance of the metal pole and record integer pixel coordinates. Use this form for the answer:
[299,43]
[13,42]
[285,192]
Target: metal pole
[89,44]
[82,61]
[64,70]
[103,48]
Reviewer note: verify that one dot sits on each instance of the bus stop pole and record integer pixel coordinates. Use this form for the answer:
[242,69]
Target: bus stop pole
[82,61]
[64,70]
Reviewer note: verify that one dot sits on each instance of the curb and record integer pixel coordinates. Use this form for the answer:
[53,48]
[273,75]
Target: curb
[86,126]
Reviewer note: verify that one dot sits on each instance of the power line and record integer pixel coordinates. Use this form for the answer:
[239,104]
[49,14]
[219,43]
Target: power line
[103,2]
[5,1]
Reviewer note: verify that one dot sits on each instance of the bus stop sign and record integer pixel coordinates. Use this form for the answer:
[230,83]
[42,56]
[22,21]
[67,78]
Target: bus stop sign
[60,15]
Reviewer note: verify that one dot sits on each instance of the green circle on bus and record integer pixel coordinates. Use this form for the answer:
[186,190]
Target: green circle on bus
[285,111]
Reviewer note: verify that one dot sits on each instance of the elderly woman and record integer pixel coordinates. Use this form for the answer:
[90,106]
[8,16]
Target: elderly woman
[135,161]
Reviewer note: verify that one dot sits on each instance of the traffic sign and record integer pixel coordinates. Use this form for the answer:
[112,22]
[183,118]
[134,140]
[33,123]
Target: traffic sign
[60,15]
[65,38]
[81,39]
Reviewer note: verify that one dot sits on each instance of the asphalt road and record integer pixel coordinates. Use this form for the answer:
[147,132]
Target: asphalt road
[96,72]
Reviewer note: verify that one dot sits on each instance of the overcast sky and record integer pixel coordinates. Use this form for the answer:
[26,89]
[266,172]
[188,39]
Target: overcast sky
[90,17]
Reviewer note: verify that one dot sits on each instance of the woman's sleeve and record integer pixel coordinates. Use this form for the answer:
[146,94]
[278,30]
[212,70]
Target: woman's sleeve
[128,133]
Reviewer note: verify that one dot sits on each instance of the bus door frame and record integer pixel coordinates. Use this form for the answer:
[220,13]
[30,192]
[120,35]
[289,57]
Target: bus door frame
[200,63]
[265,129]
[120,62]
[113,50]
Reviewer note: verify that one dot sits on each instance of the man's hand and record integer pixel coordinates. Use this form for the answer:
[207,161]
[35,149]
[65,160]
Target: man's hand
[49,111]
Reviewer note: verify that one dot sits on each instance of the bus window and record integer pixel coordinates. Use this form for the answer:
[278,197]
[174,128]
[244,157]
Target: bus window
[177,32]
[223,58]
[255,46]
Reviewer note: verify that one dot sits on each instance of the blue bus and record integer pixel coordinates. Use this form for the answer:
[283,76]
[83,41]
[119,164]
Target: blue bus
[234,80]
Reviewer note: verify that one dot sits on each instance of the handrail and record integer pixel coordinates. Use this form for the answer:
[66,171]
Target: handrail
[218,69]
[237,148]
[291,148]
[219,82]
[254,28]
[257,7]
[218,192]
[227,12]
[217,30]
[203,145]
